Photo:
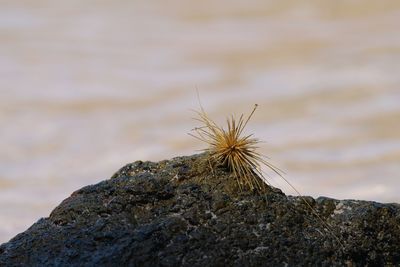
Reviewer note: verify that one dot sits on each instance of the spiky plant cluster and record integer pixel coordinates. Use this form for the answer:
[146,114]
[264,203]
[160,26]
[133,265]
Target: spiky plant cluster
[238,153]
[231,148]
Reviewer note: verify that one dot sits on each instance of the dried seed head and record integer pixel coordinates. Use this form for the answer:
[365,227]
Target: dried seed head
[239,154]
[234,150]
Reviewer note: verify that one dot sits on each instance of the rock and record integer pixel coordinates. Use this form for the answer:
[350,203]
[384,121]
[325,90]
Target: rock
[180,213]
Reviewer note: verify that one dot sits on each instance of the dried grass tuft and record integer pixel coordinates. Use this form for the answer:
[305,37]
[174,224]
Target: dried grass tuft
[231,148]
[238,153]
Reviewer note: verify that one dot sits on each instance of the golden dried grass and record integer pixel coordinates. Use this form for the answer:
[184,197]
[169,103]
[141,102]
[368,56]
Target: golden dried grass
[238,153]
[235,150]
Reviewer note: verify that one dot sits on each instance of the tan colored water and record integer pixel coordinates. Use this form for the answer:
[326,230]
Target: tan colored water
[87,86]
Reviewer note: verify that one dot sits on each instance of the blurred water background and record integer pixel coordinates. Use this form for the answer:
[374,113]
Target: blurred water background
[87,86]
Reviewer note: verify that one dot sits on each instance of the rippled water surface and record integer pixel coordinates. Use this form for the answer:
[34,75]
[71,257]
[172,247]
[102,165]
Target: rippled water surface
[87,86]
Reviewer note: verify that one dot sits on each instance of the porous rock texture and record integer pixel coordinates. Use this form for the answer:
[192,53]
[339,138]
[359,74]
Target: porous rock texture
[180,212]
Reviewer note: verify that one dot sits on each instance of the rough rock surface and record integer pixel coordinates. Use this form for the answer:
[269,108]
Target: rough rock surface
[180,213]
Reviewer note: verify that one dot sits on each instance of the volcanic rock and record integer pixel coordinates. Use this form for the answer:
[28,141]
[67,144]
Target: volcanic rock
[183,212]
